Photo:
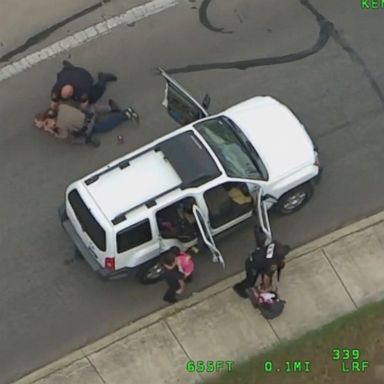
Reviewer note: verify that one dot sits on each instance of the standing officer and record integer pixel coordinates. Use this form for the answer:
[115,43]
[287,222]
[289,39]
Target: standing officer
[76,84]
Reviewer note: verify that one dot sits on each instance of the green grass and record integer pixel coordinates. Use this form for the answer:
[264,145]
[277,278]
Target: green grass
[363,330]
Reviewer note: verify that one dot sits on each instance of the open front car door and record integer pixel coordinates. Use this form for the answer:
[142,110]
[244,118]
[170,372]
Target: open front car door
[181,106]
[206,235]
[262,215]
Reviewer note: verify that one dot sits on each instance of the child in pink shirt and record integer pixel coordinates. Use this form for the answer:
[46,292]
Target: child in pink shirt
[184,262]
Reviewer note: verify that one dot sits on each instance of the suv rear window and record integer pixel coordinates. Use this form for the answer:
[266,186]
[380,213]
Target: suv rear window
[89,224]
[133,236]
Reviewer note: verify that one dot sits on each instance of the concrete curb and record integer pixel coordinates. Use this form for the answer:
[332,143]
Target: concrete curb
[163,314]
[79,38]
[338,234]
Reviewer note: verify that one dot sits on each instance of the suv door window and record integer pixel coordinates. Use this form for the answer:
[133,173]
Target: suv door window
[177,221]
[181,106]
[227,202]
[133,236]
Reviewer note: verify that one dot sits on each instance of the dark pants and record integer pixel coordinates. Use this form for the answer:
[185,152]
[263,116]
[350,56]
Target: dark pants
[102,118]
[97,91]
[109,122]
[71,74]
[188,279]
[251,276]
[170,295]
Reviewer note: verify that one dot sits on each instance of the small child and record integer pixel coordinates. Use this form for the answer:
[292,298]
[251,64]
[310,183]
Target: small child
[266,297]
[265,293]
[260,297]
[184,262]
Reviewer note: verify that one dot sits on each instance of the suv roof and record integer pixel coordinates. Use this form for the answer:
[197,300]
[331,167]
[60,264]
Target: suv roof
[181,161]
[190,159]
[123,189]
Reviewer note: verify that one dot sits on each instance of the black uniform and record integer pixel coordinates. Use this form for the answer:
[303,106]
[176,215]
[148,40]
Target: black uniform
[254,266]
[264,260]
[81,81]
[172,277]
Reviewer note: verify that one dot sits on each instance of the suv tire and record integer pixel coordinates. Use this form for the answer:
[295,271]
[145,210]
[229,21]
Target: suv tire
[294,199]
[150,272]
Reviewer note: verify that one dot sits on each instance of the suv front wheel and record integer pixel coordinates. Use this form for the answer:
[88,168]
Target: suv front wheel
[294,199]
[150,272]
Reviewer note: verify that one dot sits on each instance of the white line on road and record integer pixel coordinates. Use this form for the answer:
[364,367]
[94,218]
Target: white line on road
[88,34]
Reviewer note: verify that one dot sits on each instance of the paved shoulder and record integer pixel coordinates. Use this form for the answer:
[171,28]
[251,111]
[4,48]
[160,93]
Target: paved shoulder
[17,56]
[327,278]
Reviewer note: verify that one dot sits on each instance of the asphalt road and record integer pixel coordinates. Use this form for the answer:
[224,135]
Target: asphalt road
[27,26]
[330,74]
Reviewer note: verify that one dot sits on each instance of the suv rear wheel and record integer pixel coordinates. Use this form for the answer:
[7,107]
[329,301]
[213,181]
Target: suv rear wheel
[294,199]
[150,272]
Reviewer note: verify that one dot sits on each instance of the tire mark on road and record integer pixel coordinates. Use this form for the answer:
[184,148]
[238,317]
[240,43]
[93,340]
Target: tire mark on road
[47,32]
[355,57]
[204,20]
[325,33]
[327,30]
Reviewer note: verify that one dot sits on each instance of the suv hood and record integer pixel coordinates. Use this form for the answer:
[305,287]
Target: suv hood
[277,135]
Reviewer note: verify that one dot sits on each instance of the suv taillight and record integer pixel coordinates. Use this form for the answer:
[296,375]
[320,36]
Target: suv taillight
[110,263]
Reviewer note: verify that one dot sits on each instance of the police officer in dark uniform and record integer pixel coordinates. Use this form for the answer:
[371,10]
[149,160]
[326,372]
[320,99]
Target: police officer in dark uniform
[76,84]
[264,261]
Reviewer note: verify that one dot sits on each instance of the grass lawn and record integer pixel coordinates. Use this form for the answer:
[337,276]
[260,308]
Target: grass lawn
[363,330]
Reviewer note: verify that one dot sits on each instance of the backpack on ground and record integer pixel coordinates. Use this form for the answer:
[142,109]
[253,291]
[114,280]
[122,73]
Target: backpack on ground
[272,310]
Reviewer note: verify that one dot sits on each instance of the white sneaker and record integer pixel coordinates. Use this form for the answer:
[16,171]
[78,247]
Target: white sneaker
[132,114]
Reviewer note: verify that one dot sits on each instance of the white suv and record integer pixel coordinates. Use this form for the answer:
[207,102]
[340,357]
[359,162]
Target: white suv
[191,184]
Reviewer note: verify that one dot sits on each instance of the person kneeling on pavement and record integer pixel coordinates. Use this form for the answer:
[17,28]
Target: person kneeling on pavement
[76,85]
[267,301]
[264,261]
[78,125]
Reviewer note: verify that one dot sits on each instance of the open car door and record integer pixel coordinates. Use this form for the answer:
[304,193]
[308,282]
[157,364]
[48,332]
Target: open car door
[202,223]
[181,106]
[262,215]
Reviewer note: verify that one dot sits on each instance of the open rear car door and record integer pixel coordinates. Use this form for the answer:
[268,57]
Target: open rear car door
[181,106]
[206,235]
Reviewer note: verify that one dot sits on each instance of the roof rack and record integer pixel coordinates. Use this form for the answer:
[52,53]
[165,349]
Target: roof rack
[149,203]
[122,164]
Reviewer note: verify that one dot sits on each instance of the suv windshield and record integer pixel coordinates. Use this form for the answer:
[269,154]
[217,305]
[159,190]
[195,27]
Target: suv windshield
[235,152]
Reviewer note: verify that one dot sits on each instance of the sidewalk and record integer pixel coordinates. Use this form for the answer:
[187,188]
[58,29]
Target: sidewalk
[334,275]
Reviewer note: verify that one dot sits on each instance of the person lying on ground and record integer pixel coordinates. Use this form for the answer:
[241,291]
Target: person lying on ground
[68,122]
[265,296]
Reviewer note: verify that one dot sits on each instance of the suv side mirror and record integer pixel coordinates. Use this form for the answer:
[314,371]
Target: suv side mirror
[206,101]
